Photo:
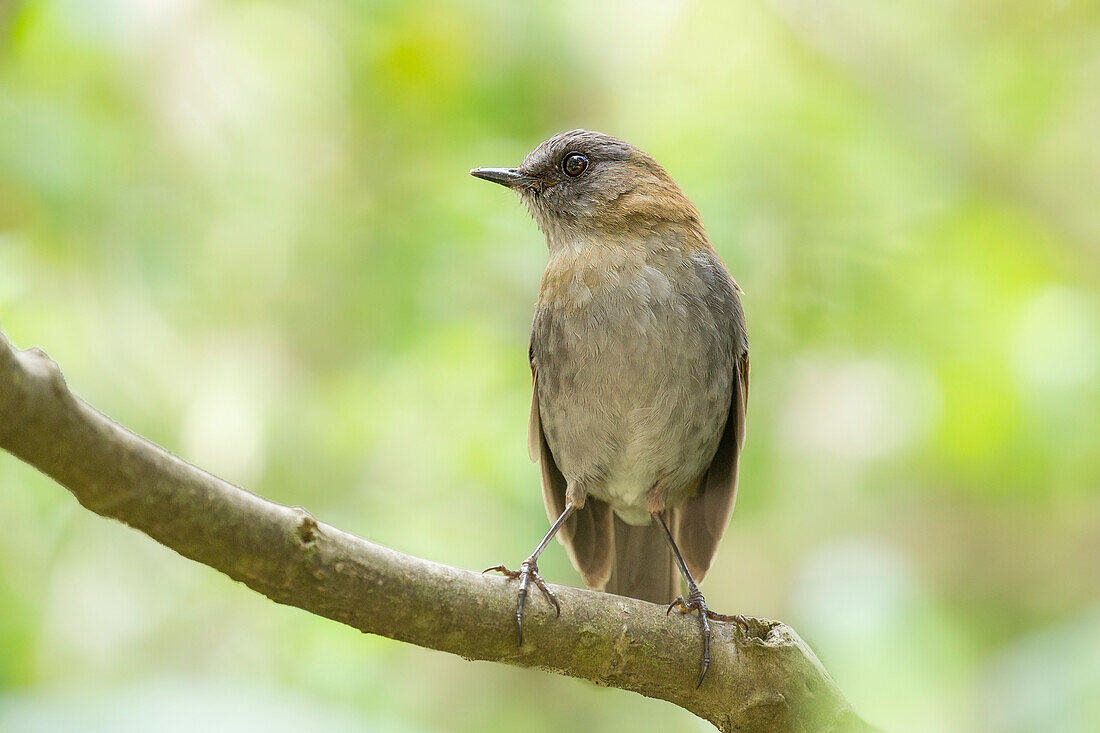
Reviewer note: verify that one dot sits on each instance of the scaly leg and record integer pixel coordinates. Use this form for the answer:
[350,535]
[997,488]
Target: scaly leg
[696,602]
[529,571]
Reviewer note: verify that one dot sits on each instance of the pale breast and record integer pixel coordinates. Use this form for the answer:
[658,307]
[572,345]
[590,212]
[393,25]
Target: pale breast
[634,358]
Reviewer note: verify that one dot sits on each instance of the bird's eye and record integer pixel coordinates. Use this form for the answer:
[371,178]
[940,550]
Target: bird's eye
[574,164]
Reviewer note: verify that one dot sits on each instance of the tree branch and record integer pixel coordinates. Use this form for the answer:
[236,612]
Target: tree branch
[769,681]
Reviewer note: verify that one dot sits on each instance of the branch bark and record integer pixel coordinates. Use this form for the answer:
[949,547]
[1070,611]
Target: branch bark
[769,680]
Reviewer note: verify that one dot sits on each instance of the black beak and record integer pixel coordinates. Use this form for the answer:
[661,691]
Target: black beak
[510,177]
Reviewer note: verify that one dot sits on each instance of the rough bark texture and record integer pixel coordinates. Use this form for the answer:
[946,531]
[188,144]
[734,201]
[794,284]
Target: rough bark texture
[769,681]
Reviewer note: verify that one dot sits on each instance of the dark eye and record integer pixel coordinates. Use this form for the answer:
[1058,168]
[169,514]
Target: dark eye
[574,164]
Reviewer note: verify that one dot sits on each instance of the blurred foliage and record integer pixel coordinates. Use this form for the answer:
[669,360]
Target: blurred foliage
[245,230]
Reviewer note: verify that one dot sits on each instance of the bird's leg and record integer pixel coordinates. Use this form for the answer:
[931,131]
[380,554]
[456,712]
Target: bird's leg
[695,601]
[529,571]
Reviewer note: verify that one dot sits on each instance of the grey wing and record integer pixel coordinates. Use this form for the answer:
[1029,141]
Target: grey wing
[700,522]
[587,535]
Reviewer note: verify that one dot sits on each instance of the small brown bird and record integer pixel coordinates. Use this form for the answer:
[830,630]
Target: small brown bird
[641,372]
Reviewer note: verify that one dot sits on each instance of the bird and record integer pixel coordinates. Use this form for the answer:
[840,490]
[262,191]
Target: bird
[640,370]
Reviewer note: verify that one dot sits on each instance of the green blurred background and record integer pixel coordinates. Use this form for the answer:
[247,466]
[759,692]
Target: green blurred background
[245,230]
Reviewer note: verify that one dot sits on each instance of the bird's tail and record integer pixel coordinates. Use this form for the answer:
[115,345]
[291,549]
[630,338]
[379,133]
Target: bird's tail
[644,567]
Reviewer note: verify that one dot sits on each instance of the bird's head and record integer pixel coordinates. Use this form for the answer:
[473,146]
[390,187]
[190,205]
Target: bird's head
[586,186]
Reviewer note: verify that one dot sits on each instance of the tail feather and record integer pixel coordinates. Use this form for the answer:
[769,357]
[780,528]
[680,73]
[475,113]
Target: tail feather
[644,567]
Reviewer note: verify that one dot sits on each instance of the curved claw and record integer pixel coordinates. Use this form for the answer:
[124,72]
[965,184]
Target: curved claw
[738,619]
[527,572]
[706,646]
[548,593]
[501,569]
[696,602]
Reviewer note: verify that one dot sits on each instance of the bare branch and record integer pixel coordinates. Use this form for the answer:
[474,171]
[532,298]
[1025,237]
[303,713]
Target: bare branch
[770,681]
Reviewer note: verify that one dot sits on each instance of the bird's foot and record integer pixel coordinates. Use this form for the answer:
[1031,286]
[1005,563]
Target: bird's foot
[696,602]
[528,571]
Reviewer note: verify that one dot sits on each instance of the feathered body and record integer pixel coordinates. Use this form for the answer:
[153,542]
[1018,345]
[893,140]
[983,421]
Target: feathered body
[640,364]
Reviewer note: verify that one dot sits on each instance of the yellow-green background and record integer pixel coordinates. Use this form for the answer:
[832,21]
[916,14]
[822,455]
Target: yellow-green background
[245,230]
